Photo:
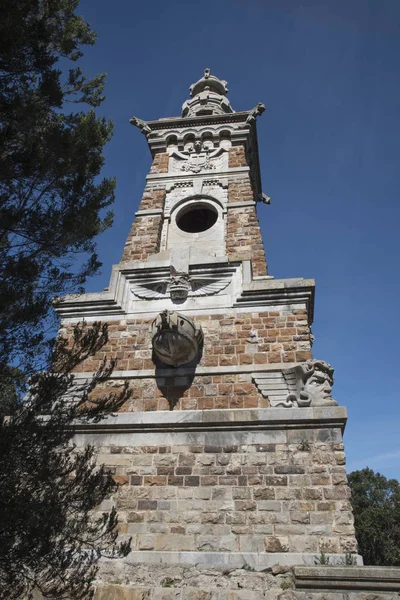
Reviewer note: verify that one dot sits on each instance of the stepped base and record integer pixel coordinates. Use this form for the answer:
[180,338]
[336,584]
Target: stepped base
[254,561]
[220,579]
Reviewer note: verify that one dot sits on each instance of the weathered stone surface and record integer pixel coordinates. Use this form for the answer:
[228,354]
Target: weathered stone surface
[277,583]
[228,492]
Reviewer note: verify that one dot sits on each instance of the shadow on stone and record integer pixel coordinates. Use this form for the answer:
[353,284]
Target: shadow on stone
[173,382]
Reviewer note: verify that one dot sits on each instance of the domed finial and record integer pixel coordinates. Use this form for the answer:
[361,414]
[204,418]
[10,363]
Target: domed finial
[209,97]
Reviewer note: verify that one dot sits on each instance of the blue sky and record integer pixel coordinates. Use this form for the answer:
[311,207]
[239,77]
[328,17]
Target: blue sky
[328,72]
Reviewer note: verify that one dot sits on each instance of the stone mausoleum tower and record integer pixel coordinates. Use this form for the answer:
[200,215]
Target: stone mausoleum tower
[229,450]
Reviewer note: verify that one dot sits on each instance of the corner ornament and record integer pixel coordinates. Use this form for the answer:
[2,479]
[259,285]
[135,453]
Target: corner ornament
[306,384]
[142,125]
[310,384]
[175,339]
[255,112]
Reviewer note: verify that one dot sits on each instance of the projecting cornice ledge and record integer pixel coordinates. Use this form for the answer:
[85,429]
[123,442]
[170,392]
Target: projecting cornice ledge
[258,293]
[172,122]
[219,420]
[93,304]
[384,579]
[279,291]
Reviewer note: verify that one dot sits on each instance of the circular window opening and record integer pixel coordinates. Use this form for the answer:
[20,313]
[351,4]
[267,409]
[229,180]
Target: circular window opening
[196,218]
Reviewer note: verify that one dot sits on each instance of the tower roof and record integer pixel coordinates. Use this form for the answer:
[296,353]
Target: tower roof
[208,97]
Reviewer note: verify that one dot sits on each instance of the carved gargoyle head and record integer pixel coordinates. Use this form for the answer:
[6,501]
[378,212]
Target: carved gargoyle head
[318,382]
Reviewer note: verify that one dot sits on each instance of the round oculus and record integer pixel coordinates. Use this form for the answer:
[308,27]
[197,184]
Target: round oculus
[197,217]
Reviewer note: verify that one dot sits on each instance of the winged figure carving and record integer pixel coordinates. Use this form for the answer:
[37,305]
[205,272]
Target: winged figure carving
[150,289]
[202,286]
[179,287]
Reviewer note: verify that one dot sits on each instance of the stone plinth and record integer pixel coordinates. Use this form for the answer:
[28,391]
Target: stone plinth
[182,582]
[230,487]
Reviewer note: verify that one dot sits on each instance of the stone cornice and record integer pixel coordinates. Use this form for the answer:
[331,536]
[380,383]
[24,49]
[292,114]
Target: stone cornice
[268,292]
[150,212]
[186,371]
[173,122]
[257,294]
[241,419]
[254,561]
[383,579]
[231,173]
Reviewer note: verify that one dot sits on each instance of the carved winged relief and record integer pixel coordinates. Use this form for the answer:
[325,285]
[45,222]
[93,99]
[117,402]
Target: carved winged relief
[179,286]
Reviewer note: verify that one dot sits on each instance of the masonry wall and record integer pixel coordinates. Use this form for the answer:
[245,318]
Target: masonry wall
[287,496]
[243,234]
[269,337]
[239,487]
[145,234]
[196,583]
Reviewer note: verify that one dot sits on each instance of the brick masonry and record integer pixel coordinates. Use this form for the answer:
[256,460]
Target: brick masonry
[145,234]
[160,163]
[246,339]
[243,237]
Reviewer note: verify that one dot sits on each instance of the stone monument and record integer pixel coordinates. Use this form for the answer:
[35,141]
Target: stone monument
[229,452]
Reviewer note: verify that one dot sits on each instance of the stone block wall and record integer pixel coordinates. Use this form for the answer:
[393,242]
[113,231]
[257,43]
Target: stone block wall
[204,392]
[227,515]
[267,337]
[160,163]
[243,238]
[200,582]
[290,496]
[143,239]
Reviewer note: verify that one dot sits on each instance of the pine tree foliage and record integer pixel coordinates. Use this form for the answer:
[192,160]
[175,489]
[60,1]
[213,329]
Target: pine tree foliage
[53,204]
[52,201]
[51,536]
[376,507]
